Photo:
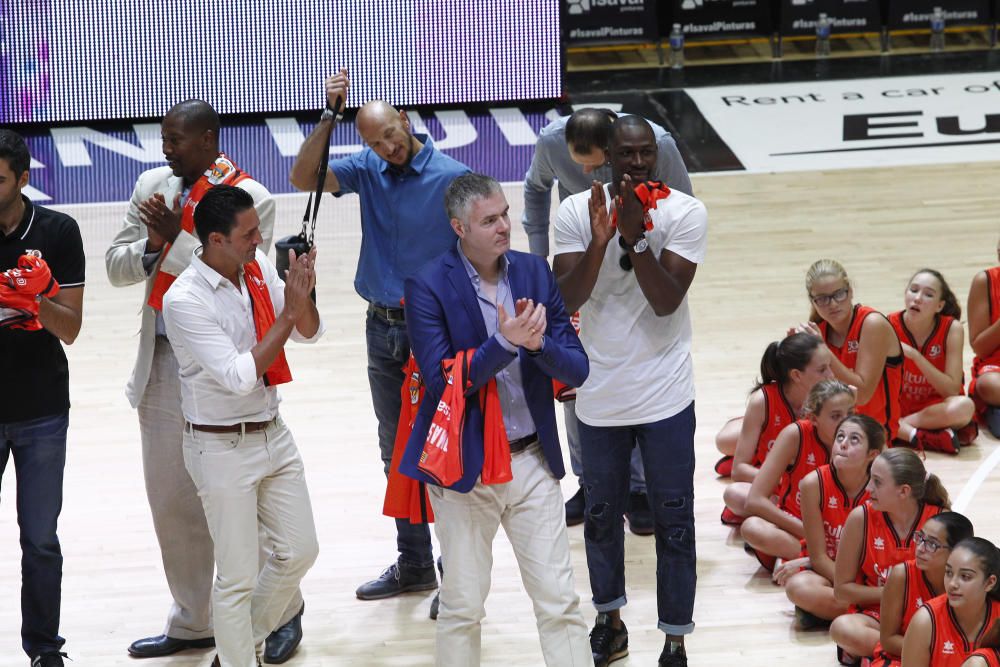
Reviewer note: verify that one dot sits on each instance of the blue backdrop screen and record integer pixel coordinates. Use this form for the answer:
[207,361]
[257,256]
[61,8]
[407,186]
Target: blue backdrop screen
[98,60]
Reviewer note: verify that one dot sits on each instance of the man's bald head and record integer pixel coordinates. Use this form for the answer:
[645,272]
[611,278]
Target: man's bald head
[630,126]
[386,131]
[196,116]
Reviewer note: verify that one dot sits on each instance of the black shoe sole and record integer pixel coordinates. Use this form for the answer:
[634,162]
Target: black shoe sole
[413,588]
[189,644]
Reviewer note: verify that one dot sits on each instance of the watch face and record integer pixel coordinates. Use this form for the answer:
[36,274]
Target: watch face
[641,245]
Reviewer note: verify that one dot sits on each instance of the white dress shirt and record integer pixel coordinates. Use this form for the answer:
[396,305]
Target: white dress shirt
[211,328]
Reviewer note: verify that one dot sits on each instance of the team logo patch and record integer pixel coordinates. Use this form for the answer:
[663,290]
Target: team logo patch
[777,421]
[920,602]
[832,503]
[879,544]
[852,346]
[415,388]
[948,648]
[935,351]
[811,460]
[220,171]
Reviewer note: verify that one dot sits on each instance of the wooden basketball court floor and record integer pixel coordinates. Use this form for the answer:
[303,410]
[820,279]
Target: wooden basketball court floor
[765,230]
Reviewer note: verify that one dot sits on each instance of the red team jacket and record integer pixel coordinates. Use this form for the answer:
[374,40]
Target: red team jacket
[883,548]
[812,454]
[916,392]
[883,406]
[949,645]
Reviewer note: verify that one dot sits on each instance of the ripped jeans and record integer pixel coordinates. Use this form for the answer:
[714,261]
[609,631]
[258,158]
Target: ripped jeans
[667,448]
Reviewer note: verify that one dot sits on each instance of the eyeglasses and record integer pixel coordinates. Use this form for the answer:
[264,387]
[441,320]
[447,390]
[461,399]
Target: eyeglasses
[920,539]
[624,261]
[824,300]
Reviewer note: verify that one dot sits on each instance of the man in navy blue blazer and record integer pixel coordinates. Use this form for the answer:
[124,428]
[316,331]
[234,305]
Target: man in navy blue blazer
[506,305]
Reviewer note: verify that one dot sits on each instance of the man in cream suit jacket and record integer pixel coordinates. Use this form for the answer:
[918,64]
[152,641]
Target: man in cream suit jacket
[155,245]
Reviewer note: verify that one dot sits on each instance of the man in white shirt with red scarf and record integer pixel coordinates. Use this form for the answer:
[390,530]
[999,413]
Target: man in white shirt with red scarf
[228,316]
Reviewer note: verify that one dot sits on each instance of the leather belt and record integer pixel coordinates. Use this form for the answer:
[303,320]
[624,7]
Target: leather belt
[386,314]
[245,427]
[521,444]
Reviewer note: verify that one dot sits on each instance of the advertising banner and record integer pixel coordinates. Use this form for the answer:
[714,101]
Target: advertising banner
[590,21]
[704,19]
[916,14]
[798,17]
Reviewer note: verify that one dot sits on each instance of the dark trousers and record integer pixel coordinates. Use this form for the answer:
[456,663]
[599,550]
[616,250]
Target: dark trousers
[667,448]
[39,450]
[388,350]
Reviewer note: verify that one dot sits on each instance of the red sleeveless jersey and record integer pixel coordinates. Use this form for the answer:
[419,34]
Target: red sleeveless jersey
[916,392]
[991,362]
[812,454]
[835,505]
[916,592]
[778,414]
[883,406]
[949,645]
[990,655]
[883,548]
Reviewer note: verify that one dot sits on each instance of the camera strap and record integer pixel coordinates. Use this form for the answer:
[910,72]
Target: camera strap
[308,232]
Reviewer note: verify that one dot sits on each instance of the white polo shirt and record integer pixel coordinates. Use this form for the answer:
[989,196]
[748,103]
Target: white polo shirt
[211,329]
[640,364]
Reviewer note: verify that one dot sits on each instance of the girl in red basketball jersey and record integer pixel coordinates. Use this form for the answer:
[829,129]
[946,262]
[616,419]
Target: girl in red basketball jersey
[788,371]
[914,582]
[867,353]
[877,535]
[950,627]
[984,336]
[828,495]
[935,413]
[775,525]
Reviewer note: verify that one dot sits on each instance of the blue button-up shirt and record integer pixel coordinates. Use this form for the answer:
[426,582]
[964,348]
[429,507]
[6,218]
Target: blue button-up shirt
[516,417]
[403,221]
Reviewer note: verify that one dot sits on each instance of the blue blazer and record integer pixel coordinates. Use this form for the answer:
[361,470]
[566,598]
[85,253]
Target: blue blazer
[443,317]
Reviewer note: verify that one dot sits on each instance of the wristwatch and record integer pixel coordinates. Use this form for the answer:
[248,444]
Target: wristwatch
[640,245]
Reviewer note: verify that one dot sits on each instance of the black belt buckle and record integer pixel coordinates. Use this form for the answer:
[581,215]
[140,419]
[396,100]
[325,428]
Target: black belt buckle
[521,444]
[386,314]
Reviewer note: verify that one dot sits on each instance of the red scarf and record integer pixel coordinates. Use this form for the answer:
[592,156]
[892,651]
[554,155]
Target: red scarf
[222,171]
[263,318]
[649,193]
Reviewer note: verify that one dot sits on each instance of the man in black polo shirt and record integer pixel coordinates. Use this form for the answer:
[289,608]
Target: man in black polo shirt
[34,419]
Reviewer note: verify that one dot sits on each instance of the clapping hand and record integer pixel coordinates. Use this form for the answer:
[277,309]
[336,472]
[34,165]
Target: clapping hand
[300,279]
[527,327]
[163,223]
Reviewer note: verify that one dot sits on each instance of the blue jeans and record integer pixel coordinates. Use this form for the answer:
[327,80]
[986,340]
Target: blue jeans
[637,484]
[39,449]
[667,448]
[388,350]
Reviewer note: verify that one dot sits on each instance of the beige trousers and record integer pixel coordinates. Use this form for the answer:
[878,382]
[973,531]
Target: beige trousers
[247,483]
[178,517]
[530,509]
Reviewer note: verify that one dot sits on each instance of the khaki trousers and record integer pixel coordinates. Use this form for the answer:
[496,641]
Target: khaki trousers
[530,509]
[248,482]
[178,517]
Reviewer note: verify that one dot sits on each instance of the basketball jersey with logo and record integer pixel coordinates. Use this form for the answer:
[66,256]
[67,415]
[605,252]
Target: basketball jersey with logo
[916,592]
[883,548]
[778,414]
[834,506]
[949,645]
[916,392]
[991,362]
[990,655]
[883,406]
[812,454]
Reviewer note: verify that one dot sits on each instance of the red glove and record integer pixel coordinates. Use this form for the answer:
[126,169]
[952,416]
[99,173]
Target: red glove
[32,276]
[17,309]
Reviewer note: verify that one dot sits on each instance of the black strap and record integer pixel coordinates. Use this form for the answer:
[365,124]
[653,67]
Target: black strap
[309,221]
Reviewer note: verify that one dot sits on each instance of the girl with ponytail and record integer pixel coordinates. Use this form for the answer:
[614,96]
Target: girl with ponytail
[950,627]
[866,352]
[828,496]
[878,535]
[788,371]
[935,413]
[774,528]
[984,336]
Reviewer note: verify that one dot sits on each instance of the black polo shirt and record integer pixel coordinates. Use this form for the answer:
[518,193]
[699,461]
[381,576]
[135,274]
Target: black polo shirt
[32,363]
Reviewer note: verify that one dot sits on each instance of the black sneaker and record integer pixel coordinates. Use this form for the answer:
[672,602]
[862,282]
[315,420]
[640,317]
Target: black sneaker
[678,658]
[398,578]
[574,508]
[640,517]
[436,602]
[54,659]
[607,643]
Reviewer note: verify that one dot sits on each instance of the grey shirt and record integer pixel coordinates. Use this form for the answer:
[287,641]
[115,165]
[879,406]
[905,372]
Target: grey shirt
[552,162]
